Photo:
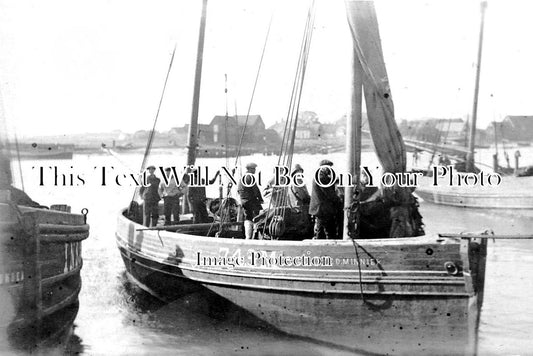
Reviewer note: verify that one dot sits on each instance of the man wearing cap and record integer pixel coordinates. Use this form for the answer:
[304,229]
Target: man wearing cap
[150,196]
[325,204]
[171,194]
[251,199]
[299,196]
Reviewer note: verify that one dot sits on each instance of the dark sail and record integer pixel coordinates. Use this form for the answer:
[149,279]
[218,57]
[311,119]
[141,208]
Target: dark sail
[399,215]
[380,109]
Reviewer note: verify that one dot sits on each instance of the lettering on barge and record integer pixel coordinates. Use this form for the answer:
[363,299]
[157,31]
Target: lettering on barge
[275,259]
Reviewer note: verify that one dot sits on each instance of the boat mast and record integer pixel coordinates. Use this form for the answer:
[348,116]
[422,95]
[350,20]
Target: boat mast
[353,147]
[192,141]
[472,141]
[6,177]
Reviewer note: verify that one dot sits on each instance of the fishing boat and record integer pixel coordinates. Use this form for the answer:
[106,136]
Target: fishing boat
[513,193]
[40,263]
[365,292]
[42,151]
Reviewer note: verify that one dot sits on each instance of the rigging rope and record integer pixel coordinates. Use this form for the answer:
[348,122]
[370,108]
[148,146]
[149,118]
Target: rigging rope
[224,213]
[279,196]
[292,119]
[226,120]
[435,143]
[359,270]
[152,132]
[19,162]
[253,90]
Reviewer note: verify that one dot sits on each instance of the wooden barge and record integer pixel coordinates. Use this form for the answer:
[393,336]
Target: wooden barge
[40,267]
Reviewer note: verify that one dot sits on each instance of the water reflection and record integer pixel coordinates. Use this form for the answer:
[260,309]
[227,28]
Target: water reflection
[55,334]
[195,323]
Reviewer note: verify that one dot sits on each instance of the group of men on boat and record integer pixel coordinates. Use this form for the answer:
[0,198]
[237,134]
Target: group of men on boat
[171,194]
[318,214]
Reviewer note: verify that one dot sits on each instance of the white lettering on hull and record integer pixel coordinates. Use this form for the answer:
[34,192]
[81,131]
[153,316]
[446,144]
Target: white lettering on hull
[72,256]
[11,277]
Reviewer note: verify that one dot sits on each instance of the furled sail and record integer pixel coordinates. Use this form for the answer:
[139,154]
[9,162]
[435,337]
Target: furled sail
[400,216]
[380,109]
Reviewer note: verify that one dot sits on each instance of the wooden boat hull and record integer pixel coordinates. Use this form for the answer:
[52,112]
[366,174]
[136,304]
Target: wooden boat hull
[410,295]
[513,193]
[44,152]
[40,267]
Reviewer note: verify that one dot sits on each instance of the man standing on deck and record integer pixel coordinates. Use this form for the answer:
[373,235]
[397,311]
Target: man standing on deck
[150,196]
[197,198]
[325,204]
[299,196]
[171,194]
[415,157]
[251,199]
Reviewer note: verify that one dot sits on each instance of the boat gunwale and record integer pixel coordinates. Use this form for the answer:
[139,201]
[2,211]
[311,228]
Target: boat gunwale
[434,239]
[426,190]
[444,199]
[292,289]
[267,273]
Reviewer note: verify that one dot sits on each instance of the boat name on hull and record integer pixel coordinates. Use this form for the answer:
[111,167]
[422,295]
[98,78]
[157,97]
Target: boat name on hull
[273,259]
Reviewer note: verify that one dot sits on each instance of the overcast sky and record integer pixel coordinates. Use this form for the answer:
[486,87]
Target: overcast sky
[76,66]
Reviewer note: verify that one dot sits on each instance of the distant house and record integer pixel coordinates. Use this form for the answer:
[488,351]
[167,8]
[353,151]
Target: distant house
[253,122]
[517,128]
[279,127]
[304,133]
[308,126]
[452,126]
[204,132]
[453,130]
[229,130]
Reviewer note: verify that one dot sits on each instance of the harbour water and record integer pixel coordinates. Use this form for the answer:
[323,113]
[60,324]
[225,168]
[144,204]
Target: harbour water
[117,318]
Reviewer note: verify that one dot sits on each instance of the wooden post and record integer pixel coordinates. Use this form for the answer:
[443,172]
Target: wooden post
[192,142]
[472,141]
[353,148]
[495,157]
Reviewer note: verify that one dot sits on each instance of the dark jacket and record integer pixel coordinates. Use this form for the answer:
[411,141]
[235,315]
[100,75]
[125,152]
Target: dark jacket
[325,202]
[197,194]
[150,194]
[250,196]
[299,196]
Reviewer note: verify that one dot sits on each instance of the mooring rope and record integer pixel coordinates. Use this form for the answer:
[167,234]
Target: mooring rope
[359,269]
